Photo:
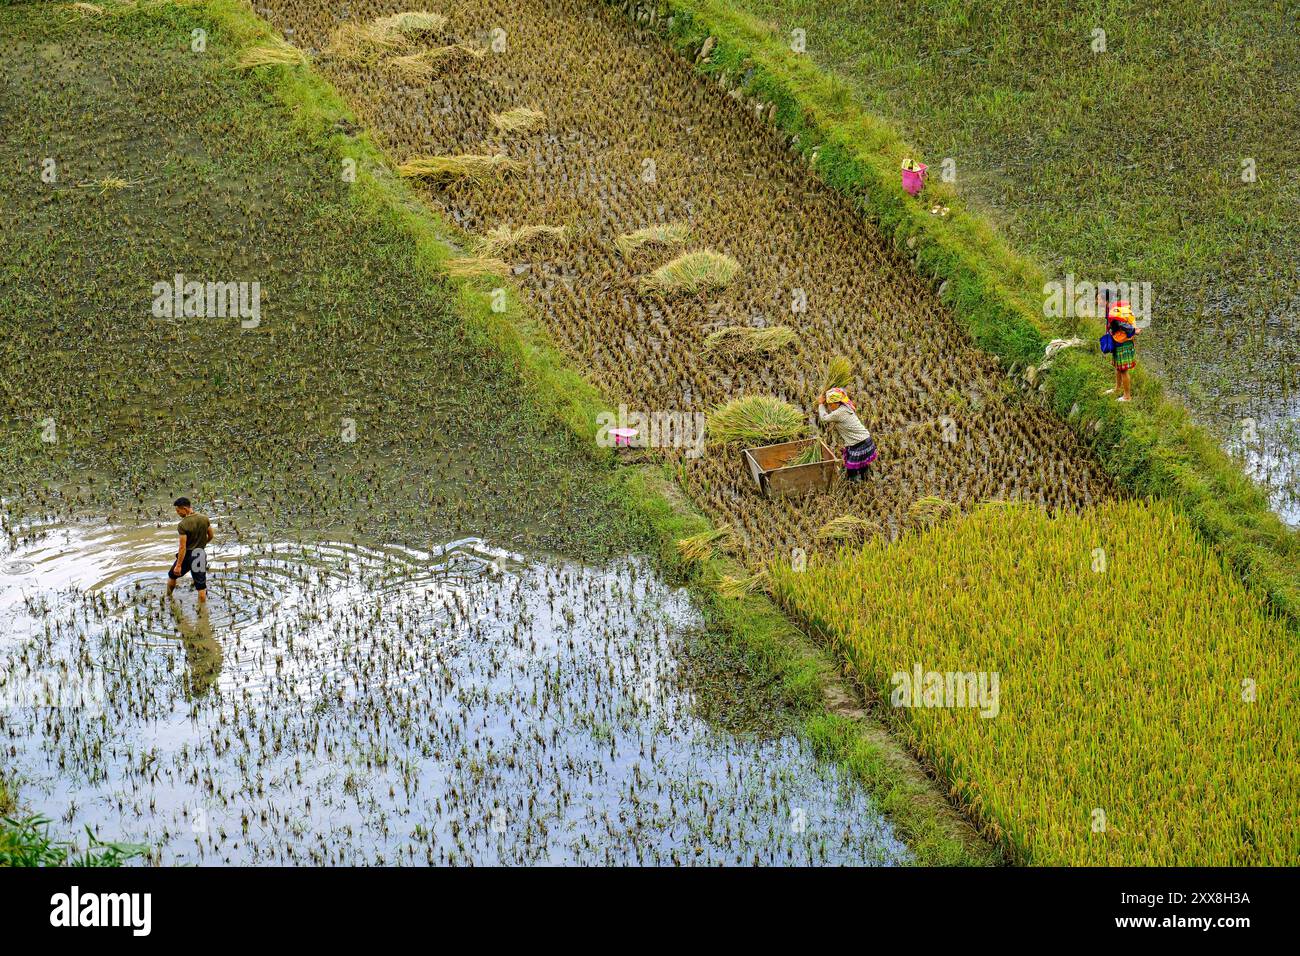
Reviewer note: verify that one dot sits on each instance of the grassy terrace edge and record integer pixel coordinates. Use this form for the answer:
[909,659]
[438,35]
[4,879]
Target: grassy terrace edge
[779,652]
[1150,447]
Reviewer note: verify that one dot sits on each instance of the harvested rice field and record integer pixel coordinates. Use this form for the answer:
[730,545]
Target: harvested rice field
[665,148]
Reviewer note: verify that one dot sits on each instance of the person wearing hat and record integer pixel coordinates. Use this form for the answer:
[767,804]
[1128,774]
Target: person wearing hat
[1120,325]
[835,409]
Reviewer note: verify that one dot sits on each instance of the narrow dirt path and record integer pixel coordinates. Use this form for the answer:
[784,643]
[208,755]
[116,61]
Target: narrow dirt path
[634,138]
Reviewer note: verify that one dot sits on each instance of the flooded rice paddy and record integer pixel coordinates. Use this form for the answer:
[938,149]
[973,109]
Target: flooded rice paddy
[345,703]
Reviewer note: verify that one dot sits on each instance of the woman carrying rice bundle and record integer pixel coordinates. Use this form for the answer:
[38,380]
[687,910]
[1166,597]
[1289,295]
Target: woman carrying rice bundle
[835,409]
[1122,330]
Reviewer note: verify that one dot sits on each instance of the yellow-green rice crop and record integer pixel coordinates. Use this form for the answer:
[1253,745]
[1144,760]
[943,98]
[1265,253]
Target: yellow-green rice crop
[1146,709]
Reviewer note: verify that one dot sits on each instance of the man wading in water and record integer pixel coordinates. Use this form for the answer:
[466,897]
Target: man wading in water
[191,557]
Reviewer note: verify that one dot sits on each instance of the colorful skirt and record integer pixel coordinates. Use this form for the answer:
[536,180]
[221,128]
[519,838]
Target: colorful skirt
[860,455]
[1124,356]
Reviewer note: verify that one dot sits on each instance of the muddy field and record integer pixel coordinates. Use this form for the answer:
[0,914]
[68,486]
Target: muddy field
[632,139]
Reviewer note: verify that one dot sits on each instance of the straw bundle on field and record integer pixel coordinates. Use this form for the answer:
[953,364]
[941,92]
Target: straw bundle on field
[739,341]
[410,23]
[471,266]
[846,528]
[810,454]
[430,63]
[109,184]
[275,52]
[692,272]
[518,120]
[468,166]
[503,238]
[732,586]
[364,42]
[669,234]
[755,418]
[700,547]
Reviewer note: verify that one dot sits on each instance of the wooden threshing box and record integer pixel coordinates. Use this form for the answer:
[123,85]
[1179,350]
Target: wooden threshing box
[768,466]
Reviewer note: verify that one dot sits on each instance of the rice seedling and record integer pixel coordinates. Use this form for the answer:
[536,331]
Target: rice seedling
[700,547]
[669,234]
[520,119]
[692,272]
[742,341]
[275,52]
[468,267]
[1089,631]
[847,528]
[757,419]
[479,168]
[838,373]
[503,239]
[429,63]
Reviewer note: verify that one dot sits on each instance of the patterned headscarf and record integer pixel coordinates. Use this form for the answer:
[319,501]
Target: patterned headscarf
[837,396]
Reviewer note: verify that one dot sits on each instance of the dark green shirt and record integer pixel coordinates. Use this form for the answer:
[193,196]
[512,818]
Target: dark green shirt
[195,528]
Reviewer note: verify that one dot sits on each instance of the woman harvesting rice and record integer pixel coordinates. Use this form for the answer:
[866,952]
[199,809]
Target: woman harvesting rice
[842,416]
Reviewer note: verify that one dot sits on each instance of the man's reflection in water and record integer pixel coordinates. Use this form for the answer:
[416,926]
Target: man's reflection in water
[202,650]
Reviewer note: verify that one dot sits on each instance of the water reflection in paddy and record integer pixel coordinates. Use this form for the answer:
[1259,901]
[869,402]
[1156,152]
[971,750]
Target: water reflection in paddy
[343,703]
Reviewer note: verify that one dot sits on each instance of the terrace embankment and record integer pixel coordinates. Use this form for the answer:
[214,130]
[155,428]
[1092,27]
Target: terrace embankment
[633,139]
